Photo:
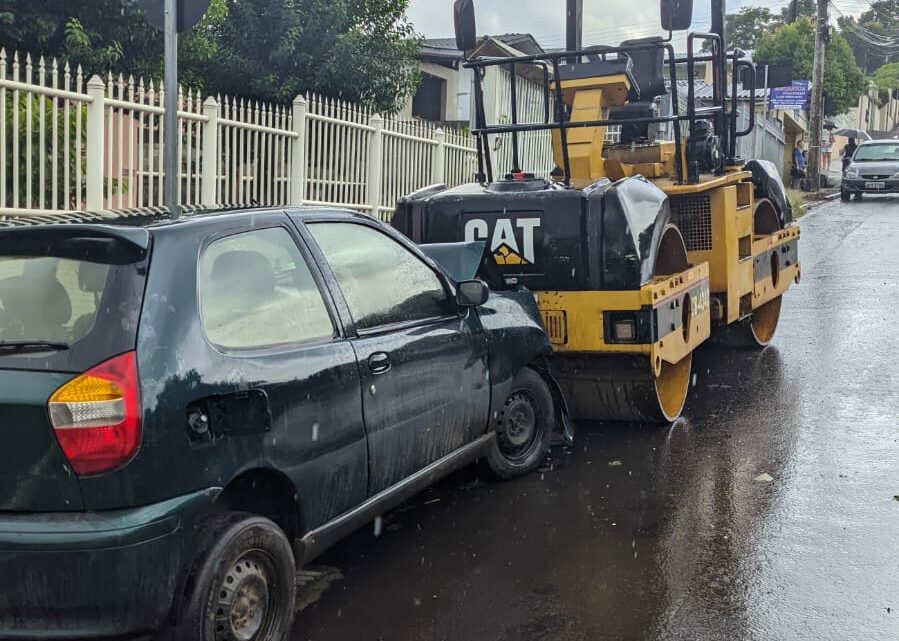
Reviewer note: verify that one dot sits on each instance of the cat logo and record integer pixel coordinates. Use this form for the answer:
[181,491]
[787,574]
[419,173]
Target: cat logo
[507,246]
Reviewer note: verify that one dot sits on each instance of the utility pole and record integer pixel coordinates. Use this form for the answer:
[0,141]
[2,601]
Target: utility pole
[574,26]
[816,124]
[172,137]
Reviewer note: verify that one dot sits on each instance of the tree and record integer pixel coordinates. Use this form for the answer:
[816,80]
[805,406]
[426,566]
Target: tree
[360,50]
[746,26]
[887,80]
[796,9]
[874,36]
[105,35]
[843,80]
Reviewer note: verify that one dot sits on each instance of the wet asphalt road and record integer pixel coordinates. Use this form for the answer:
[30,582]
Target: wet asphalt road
[679,541]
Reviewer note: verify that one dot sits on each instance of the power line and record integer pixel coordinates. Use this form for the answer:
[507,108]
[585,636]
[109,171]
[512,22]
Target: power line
[639,29]
[882,43]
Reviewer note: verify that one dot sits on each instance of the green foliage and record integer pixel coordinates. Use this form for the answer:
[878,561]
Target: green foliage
[887,79]
[795,43]
[796,9]
[797,202]
[103,35]
[361,50]
[746,26]
[79,47]
[881,20]
[16,124]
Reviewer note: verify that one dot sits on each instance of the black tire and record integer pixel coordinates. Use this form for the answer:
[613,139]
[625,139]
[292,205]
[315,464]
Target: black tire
[243,585]
[845,196]
[524,427]
[858,195]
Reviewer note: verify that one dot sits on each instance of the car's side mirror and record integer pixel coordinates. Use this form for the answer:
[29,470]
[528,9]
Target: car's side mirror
[677,15]
[466,29]
[472,293]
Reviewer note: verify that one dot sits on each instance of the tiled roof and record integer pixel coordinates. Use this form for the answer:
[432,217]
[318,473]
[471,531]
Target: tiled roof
[441,43]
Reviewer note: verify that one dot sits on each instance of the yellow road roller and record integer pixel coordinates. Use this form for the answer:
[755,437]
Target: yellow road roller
[637,251]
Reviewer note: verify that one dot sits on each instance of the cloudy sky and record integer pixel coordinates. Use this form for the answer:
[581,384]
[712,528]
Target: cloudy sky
[605,21]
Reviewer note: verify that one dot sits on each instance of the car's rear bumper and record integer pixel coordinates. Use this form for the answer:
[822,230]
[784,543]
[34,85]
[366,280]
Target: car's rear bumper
[93,575]
[861,185]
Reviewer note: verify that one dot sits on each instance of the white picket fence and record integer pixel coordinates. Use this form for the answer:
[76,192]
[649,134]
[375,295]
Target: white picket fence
[71,145]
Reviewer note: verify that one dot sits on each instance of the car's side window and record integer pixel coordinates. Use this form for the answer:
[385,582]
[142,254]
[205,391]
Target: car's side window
[383,282]
[257,291]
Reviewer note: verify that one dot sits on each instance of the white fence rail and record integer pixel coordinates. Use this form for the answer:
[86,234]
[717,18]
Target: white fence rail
[71,145]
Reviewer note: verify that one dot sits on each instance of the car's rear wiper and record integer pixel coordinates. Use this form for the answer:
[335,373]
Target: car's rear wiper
[32,346]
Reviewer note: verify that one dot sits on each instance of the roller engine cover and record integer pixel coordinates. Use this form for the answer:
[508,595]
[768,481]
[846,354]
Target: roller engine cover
[546,237]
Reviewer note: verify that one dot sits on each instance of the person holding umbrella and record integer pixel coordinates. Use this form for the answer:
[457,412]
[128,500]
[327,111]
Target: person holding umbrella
[847,153]
[849,150]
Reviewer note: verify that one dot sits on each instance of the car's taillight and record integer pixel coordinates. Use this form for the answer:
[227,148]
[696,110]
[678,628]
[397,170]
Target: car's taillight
[96,416]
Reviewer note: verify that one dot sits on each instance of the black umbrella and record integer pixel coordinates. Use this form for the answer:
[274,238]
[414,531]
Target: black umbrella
[858,134]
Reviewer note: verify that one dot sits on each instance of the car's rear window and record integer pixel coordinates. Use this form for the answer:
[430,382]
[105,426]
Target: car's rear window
[49,299]
[68,302]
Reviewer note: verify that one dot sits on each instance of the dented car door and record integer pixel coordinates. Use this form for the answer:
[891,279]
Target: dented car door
[422,360]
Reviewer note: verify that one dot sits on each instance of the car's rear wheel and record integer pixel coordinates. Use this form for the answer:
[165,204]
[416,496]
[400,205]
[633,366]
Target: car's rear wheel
[523,427]
[244,585]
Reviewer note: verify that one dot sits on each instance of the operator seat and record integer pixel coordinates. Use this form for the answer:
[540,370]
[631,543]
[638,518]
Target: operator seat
[649,83]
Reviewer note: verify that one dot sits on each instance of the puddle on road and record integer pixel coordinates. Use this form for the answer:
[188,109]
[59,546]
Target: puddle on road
[312,582]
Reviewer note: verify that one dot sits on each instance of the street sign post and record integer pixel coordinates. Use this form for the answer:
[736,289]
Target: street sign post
[190,12]
[170,17]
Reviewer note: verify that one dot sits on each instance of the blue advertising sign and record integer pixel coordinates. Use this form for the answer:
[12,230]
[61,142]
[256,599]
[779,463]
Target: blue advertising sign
[794,97]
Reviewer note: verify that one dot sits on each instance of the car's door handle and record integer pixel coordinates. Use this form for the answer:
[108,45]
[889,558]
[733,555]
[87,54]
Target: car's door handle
[379,363]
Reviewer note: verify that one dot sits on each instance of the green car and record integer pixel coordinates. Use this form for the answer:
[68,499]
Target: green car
[191,410]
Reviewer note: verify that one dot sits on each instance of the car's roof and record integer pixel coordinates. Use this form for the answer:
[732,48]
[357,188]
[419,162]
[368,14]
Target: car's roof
[157,218]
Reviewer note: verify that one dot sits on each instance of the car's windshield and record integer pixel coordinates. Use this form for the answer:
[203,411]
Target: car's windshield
[877,153]
[46,299]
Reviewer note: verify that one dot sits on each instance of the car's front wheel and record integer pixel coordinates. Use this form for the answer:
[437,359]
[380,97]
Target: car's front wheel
[845,195]
[523,427]
[244,585]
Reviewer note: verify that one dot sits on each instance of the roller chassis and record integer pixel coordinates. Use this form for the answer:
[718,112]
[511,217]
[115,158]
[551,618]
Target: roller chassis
[637,252]
[543,237]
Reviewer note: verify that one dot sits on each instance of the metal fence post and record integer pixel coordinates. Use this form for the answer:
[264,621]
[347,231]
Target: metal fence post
[209,160]
[298,153]
[439,165]
[95,166]
[375,164]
